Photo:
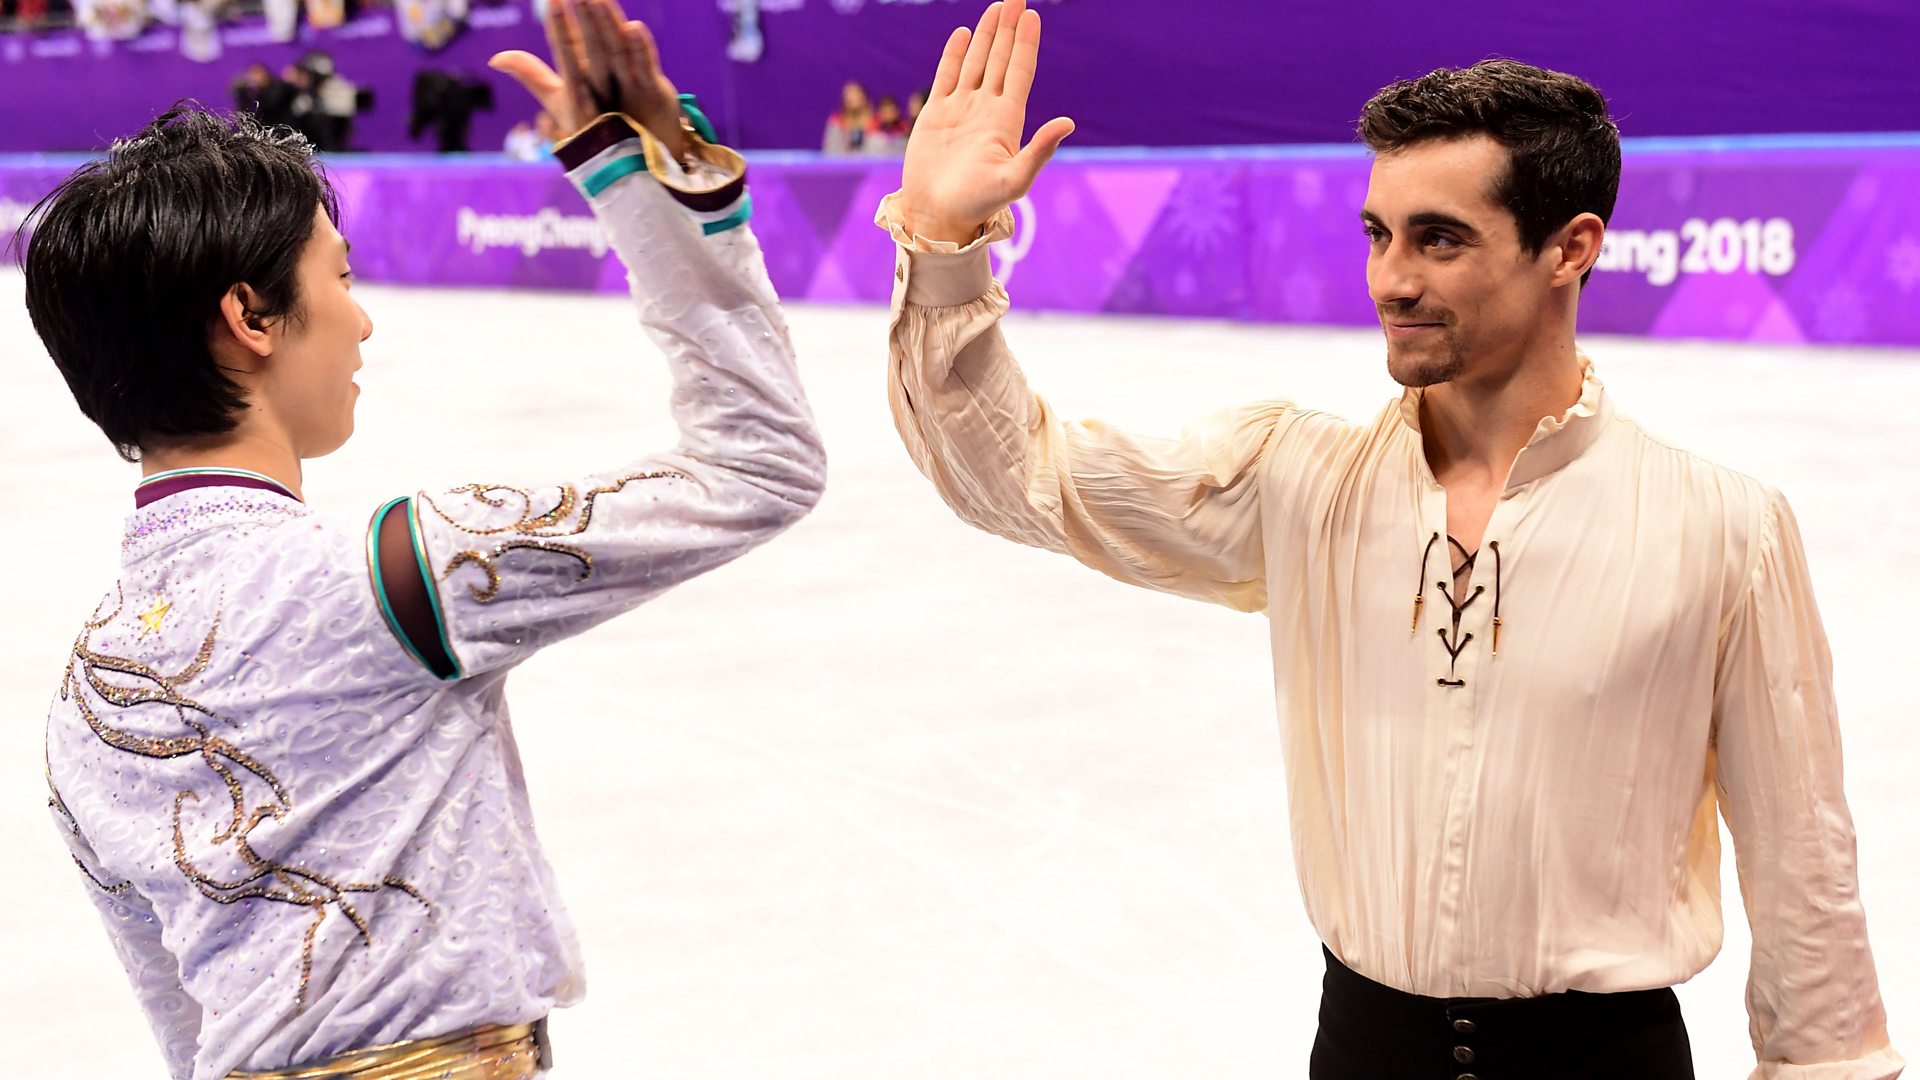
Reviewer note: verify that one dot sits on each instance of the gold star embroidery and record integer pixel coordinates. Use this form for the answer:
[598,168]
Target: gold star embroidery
[153,616]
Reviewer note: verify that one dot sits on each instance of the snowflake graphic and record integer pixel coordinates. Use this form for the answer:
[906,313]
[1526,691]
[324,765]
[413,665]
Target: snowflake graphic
[1203,214]
[1843,315]
[1903,263]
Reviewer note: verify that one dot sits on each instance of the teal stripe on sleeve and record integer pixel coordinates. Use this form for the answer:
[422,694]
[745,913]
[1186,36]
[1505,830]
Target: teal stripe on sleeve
[698,119]
[606,175]
[731,221]
[380,582]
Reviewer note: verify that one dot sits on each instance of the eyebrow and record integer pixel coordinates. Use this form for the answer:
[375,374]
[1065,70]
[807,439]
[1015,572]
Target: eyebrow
[1424,219]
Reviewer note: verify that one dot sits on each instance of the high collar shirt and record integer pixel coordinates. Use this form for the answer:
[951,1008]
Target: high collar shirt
[303,841]
[1502,788]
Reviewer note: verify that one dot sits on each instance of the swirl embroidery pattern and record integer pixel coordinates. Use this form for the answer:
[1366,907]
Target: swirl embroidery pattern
[536,531]
[263,878]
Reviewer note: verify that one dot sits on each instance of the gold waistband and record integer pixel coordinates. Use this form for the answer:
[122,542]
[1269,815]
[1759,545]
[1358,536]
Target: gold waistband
[493,1052]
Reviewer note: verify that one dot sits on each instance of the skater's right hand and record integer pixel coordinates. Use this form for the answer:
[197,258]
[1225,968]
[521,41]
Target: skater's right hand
[607,62]
[964,160]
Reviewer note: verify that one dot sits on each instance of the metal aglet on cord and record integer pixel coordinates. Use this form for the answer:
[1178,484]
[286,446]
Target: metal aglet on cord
[1495,545]
[1420,597]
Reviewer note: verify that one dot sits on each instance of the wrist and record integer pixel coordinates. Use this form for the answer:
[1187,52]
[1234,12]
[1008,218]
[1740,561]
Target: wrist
[672,136]
[938,230]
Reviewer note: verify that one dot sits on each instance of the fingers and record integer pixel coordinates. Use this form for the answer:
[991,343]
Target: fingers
[603,51]
[641,46]
[995,77]
[948,76]
[1025,60]
[529,71]
[974,68]
[1040,150]
[563,37]
[633,70]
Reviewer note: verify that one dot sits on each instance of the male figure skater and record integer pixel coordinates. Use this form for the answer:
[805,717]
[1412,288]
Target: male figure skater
[280,749]
[1503,781]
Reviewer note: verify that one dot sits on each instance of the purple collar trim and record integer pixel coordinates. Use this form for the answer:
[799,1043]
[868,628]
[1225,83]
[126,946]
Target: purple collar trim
[160,487]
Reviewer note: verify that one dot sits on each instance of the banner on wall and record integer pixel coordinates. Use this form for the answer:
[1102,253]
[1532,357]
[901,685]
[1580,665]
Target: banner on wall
[1779,245]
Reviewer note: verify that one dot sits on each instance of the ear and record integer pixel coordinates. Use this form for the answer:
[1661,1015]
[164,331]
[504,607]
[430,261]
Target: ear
[1579,246]
[237,323]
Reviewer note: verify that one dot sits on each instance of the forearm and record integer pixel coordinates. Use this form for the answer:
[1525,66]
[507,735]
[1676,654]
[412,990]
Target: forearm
[701,287]
[1179,515]
[960,402]
[505,570]
[1812,992]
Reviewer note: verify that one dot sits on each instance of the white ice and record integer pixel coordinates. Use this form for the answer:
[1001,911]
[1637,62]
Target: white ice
[892,798]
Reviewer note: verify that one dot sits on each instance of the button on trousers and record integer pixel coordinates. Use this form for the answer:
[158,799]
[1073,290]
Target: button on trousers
[1374,1032]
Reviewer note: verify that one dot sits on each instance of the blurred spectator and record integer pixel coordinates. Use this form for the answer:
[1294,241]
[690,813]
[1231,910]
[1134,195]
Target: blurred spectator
[889,127]
[533,142]
[431,24]
[258,92]
[445,101]
[111,20]
[283,18]
[336,101]
[850,126]
[299,104]
[31,14]
[915,102]
[326,14]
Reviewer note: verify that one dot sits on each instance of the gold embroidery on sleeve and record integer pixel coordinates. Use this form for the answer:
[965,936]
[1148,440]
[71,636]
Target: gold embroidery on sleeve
[539,527]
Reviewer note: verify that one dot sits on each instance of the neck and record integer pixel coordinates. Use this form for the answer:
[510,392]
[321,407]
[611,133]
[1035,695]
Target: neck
[271,458]
[1479,426]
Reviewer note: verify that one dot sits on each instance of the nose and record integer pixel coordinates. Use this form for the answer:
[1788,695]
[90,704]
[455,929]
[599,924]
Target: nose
[1392,276]
[366,324]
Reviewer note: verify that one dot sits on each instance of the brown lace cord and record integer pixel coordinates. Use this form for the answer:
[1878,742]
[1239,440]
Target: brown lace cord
[1420,598]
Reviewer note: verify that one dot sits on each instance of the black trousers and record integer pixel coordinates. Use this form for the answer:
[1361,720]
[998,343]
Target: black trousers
[1374,1032]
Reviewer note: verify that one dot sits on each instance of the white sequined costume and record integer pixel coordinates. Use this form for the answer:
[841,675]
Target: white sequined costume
[302,840]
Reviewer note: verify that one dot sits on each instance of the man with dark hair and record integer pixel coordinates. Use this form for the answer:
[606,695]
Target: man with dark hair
[1503,804]
[280,751]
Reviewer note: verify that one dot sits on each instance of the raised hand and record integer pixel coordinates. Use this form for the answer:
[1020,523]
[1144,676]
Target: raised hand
[964,159]
[608,63]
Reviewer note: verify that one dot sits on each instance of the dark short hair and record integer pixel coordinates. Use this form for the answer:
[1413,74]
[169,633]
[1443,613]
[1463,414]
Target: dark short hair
[127,261]
[1563,148]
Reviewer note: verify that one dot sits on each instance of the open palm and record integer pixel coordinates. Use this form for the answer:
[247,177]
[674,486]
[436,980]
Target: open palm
[964,159]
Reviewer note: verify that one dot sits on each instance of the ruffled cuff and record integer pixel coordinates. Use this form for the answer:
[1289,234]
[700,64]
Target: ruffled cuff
[940,273]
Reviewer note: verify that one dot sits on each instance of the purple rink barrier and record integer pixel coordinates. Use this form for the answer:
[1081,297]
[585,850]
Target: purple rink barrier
[1779,239]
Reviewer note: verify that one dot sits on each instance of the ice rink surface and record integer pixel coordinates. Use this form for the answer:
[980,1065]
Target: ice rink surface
[891,798]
